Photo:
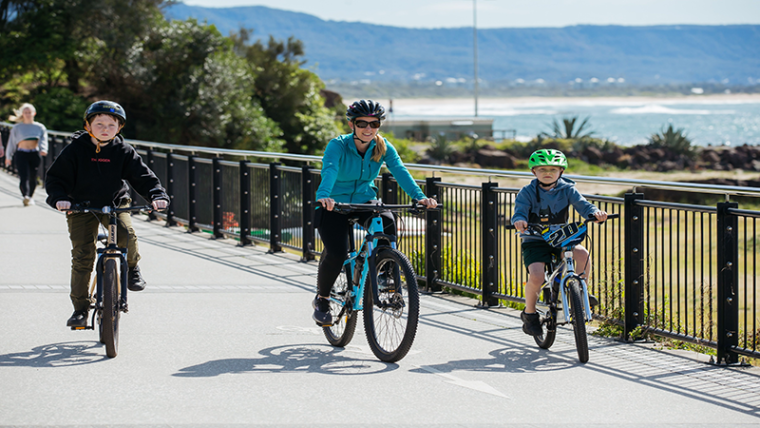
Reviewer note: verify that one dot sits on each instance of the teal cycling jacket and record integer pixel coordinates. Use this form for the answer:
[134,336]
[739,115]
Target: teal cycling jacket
[347,177]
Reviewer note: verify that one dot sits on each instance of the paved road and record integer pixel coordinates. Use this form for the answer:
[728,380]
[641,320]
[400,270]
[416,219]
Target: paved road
[223,336]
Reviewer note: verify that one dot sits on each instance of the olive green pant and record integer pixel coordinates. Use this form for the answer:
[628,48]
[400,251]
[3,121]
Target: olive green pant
[83,231]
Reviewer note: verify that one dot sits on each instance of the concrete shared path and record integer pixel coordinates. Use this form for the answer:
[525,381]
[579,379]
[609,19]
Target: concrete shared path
[223,336]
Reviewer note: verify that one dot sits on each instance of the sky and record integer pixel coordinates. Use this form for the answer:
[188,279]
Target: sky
[515,13]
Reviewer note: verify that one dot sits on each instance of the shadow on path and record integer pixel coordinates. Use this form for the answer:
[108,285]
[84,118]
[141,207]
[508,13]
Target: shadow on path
[56,355]
[305,358]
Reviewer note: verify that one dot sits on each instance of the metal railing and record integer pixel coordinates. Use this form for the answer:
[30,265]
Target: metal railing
[687,272]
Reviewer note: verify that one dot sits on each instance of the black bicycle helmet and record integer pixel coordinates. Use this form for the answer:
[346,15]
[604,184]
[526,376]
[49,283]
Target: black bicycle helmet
[106,107]
[365,108]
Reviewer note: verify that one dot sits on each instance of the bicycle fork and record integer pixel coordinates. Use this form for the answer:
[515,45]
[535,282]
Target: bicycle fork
[570,273]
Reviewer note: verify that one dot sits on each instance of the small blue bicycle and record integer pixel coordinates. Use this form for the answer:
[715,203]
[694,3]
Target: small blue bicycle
[379,280]
[563,288]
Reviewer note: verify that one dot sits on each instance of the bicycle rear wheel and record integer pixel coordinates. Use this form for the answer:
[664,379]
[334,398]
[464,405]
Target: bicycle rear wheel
[391,323]
[578,316]
[342,330]
[549,327]
[110,317]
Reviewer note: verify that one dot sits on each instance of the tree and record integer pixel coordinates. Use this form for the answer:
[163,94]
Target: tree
[289,94]
[184,85]
[674,141]
[569,132]
[49,47]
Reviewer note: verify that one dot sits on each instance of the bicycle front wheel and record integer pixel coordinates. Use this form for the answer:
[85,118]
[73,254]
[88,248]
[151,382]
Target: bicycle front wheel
[342,330]
[578,317]
[391,323]
[110,318]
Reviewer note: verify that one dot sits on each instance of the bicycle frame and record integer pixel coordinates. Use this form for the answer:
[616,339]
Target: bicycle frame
[111,251]
[567,270]
[369,251]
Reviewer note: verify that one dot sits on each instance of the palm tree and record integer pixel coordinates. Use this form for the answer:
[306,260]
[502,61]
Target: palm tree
[675,141]
[570,132]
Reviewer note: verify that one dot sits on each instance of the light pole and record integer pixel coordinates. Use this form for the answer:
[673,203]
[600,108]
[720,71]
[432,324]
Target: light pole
[475,48]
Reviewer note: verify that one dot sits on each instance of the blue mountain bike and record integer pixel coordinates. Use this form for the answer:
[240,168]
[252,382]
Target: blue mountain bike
[378,280]
[564,289]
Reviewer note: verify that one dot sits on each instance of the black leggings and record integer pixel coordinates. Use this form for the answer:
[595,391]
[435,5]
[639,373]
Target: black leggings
[333,229]
[27,165]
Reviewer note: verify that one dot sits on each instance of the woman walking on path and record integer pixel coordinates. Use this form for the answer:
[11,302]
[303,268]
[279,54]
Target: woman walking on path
[27,141]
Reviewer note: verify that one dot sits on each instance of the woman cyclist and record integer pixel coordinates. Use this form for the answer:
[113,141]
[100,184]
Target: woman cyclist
[350,165]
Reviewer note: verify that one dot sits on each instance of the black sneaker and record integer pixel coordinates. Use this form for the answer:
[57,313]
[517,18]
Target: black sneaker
[135,282]
[531,324]
[78,319]
[592,300]
[322,315]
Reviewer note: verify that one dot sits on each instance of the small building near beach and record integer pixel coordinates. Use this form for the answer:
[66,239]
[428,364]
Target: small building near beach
[454,128]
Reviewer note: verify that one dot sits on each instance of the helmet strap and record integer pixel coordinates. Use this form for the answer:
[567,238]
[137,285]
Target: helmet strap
[104,142]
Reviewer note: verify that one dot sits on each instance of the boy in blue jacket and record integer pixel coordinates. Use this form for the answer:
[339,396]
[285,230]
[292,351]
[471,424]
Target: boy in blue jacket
[547,199]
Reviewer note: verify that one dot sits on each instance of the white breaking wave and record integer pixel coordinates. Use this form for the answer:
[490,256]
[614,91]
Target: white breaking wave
[659,109]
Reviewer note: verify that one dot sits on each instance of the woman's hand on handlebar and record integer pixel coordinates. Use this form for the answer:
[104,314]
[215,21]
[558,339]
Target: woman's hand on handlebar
[601,216]
[327,203]
[428,202]
[159,204]
[63,205]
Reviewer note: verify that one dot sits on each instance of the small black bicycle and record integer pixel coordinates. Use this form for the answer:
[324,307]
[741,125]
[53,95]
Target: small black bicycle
[108,291]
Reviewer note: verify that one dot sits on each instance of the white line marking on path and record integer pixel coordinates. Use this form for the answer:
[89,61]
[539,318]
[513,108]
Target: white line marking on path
[476,385]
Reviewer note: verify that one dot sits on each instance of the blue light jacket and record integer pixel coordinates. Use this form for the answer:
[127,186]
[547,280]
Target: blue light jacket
[347,177]
[532,202]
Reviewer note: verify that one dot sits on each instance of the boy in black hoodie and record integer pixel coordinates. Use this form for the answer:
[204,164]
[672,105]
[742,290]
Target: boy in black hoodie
[96,168]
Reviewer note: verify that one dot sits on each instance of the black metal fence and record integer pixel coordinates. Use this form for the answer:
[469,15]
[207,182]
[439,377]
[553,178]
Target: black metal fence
[686,272]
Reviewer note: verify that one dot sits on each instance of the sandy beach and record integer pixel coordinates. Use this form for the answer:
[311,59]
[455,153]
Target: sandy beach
[405,103]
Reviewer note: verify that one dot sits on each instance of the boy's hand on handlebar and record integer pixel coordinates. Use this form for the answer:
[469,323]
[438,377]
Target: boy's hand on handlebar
[62,205]
[159,204]
[327,203]
[601,216]
[521,225]
[428,202]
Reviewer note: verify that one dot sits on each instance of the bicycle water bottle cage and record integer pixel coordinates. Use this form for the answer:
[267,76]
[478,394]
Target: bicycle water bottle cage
[566,236]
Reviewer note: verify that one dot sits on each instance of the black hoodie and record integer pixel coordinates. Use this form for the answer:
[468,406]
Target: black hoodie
[79,174]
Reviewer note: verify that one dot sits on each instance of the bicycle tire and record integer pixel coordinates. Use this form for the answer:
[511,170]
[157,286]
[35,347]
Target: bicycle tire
[578,315]
[110,316]
[342,330]
[390,331]
[549,328]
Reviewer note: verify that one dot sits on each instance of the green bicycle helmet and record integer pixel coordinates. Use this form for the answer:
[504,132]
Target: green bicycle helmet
[547,157]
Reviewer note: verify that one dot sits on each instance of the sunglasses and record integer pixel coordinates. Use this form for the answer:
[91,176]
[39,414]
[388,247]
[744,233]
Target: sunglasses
[363,124]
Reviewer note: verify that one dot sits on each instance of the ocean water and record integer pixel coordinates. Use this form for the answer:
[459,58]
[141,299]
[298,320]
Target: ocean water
[626,122]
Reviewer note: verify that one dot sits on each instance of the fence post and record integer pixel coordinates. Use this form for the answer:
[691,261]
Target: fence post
[488,232]
[728,280]
[192,178]
[390,190]
[432,237]
[245,203]
[634,263]
[170,189]
[150,161]
[217,183]
[307,225]
[275,208]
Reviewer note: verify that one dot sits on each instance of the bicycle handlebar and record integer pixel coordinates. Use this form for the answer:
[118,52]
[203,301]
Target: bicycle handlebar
[346,208]
[534,225]
[79,208]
